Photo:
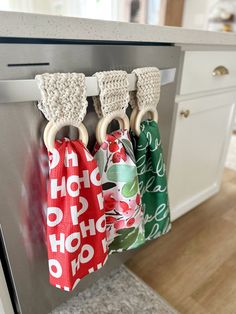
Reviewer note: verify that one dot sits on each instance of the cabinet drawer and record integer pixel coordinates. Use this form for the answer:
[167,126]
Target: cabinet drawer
[198,70]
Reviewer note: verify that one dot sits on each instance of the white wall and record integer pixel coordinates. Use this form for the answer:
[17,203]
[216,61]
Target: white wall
[102,9]
[195,13]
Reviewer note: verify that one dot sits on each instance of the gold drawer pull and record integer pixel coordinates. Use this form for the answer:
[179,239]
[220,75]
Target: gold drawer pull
[220,71]
[185,113]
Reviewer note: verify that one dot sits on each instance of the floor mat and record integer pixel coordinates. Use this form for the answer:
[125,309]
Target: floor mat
[120,292]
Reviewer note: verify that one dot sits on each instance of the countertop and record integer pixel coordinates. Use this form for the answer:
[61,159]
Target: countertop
[25,25]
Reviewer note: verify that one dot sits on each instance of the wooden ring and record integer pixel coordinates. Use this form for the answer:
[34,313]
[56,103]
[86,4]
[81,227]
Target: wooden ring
[98,136]
[56,126]
[46,131]
[101,130]
[139,116]
[133,118]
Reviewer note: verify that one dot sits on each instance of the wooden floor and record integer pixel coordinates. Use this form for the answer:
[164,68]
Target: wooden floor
[194,266]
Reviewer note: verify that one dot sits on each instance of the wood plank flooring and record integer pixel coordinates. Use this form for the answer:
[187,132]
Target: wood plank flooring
[194,266]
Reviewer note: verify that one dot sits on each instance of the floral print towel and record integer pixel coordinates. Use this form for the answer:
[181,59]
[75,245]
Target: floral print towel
[152,180]
[122,202]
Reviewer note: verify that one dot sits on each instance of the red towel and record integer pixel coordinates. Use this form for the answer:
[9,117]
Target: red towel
[76,225]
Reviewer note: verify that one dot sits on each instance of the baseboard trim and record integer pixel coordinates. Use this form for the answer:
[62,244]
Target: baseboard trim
[193,202]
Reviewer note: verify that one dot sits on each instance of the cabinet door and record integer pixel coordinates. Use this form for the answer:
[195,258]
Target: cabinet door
[199,149]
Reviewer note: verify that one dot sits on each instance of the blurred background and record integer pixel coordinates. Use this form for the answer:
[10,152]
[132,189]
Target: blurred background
[215,15]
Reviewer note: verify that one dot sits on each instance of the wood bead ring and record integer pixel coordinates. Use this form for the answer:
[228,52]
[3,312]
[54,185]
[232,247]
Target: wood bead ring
[101,130]
[133,118]
[46,131]
[139,115]
[52,128]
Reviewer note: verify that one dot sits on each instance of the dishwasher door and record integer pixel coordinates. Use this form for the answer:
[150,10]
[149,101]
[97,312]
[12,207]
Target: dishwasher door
[23,157]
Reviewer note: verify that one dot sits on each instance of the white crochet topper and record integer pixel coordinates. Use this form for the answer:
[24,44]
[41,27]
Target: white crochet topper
[76,222]
[117,165]
[145,99]
[112,101]
[63,104]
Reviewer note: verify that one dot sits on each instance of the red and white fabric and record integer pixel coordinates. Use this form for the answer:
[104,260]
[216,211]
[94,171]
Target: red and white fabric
[76,225]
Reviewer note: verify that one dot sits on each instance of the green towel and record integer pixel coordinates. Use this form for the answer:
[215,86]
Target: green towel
[152,180]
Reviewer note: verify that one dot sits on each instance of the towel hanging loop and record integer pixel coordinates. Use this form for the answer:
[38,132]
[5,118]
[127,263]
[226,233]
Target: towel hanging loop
[63,103]
[138,115]
[104,122]
[46,132]
[112,101]
[147,96]
[55,128]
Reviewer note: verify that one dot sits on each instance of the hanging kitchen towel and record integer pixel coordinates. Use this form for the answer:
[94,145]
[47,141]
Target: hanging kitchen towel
[76,226]
[115,157]
[149,155]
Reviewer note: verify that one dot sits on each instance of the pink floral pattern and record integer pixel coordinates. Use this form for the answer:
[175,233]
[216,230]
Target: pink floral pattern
[122,201]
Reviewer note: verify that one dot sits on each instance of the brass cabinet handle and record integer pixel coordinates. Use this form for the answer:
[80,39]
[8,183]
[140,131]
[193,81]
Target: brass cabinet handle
[185,113]
[220,71]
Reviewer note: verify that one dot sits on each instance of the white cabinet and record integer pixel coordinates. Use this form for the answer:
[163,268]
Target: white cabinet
[200,71]
[200,142]
[204,114]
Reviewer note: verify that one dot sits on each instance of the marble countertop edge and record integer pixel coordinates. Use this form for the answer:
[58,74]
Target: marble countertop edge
[27,25]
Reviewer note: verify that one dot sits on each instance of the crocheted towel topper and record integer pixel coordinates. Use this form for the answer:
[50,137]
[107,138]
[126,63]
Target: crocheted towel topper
[149,156]
[122,202]
[76,226]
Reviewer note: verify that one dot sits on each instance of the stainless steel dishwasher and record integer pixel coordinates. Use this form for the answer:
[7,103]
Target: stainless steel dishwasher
[23,254]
